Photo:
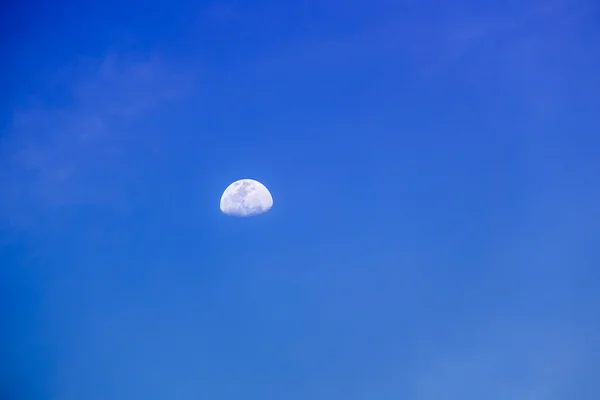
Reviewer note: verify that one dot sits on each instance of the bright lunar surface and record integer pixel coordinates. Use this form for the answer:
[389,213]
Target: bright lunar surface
[245,198]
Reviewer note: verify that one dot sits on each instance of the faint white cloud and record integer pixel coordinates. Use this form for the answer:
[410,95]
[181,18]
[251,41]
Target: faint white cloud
[78,151]
[507,361]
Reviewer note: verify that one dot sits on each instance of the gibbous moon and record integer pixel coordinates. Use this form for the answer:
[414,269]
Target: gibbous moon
[245,198]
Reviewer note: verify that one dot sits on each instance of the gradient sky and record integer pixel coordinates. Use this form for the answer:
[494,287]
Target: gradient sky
[434,169]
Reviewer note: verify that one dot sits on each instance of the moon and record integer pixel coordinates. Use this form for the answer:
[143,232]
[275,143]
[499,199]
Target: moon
[246,198]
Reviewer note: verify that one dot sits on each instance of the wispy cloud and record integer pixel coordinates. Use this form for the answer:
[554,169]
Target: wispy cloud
[508,360]
[75,151]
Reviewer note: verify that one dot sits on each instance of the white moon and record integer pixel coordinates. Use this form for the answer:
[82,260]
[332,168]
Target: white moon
[245,198]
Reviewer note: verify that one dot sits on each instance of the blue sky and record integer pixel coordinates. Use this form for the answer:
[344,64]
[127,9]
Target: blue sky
[434,170]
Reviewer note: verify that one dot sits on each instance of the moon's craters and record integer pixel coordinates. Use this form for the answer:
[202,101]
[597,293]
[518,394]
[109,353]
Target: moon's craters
[245,198]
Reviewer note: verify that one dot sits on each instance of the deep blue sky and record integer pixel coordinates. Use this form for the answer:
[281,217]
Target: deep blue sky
[434,169]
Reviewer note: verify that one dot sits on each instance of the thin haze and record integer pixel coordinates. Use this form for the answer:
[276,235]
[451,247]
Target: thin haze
[434,168]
